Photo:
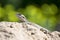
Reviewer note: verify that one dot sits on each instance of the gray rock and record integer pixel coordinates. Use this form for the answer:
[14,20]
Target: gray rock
[20,31]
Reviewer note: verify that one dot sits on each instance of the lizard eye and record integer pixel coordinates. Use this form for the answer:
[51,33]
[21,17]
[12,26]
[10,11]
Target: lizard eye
[23,17]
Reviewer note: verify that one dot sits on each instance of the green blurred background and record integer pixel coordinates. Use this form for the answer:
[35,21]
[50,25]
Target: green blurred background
[42,12]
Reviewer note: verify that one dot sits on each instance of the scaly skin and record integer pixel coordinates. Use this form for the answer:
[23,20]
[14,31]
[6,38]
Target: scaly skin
[23,19]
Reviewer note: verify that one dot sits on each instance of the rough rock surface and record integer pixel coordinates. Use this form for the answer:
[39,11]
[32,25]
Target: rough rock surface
[19,31]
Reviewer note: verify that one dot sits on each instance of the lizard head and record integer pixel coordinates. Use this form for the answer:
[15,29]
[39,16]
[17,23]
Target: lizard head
[21,17]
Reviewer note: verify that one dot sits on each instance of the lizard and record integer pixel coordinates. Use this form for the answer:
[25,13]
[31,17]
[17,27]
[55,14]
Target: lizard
[23,19]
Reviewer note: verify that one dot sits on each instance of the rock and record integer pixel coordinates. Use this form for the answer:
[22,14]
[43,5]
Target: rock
[19,31]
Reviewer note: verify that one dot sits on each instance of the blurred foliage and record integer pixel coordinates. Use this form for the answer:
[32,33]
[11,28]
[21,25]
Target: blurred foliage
[45,15]
[49,9]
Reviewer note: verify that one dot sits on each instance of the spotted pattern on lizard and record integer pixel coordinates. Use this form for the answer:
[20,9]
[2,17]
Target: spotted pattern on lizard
[24,21]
